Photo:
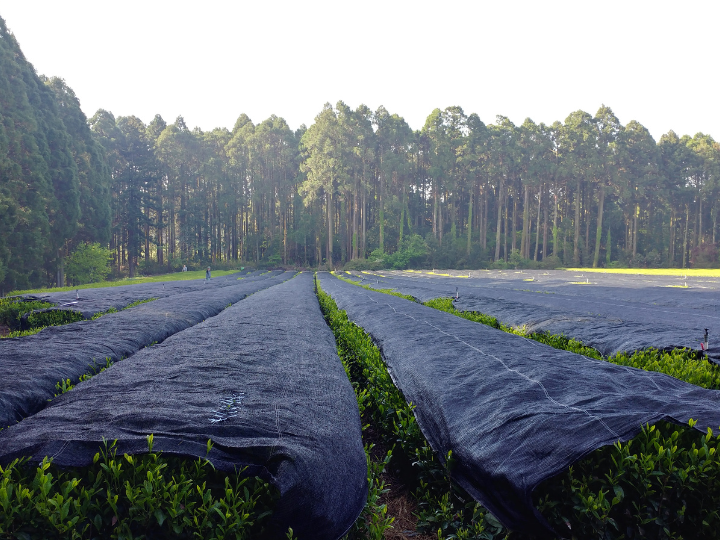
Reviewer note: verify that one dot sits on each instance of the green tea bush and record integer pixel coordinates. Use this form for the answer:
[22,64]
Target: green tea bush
[664,484]
[142,496]
[51,317]
[682,364]
[444,507]
[12,309]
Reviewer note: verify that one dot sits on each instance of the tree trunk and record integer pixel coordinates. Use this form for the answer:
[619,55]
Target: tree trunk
[402,216]
[525,239]
[555,228]
[671,248]
[685,238]
[469,223]
[160,232]
[486,206]
[545,233]
[440,222]
[329,227]
[382,212]
[355,222]
[700,216]
[499,221]
[598,234]
[364,222]
[505,228]
[61,269]
[608,248]
[513,231]
[435,210]
[537,228]
[576,246]
[635,231]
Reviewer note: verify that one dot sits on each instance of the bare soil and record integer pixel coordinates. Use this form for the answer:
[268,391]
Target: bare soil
[4,330]
[399,500]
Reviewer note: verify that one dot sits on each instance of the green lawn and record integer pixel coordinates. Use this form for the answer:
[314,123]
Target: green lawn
[690,272]
[175,276]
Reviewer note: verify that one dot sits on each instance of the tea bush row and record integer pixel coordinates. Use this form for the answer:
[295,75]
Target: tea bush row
[40,315]
[682,364]
[142,496]
[663,484]
[444,507]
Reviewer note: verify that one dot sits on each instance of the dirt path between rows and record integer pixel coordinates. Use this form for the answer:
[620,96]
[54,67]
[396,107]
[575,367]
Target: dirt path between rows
[399,500]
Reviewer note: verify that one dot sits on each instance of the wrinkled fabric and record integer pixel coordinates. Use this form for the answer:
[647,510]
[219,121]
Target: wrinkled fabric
[514,412]
[89,302]
[262,379]
[31,366]
[612,315]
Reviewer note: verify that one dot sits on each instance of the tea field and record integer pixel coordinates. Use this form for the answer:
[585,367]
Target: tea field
[519,405]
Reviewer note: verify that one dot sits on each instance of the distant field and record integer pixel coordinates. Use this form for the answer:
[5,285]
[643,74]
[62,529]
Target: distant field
[175,276]
[690,272]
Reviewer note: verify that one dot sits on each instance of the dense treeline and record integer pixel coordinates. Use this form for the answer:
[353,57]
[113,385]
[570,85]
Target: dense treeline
[356,184]
[54,180]
[589,191]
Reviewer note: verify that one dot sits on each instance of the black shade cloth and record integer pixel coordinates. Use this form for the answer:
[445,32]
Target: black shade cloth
[513,411]
[31,366]
[262,380]
[97,300]
[610,318]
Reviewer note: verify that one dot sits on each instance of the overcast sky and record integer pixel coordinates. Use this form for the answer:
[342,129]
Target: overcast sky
[655,62]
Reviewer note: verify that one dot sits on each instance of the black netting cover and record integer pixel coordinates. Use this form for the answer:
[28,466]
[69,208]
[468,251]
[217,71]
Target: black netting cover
[293,418]
[610,318]
[31,366]
[514,412]
[92,301]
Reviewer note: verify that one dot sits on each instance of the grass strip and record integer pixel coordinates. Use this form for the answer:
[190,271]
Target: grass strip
[141,496]
[663,484]
[174,276]
[675,272]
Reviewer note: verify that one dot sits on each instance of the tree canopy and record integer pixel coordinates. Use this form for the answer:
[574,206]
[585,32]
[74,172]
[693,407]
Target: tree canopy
[456,193]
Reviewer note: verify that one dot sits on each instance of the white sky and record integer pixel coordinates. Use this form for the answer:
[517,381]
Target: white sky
[652,61]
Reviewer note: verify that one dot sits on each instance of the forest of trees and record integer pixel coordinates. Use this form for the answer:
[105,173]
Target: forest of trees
[354,187]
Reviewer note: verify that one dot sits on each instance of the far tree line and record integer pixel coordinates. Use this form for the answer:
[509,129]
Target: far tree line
[354,187]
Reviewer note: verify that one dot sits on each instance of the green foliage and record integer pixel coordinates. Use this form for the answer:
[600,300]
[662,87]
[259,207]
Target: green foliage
[66,385]
[141,496]
[40,316]
[12,309]
[39,199]
[682,364]
[139,302]
[386,291]
[53,317]
[663,484]
[373,521]
[89,263]
[175,276]
[455,194]
[413,253]
[363,264]
[443,505]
